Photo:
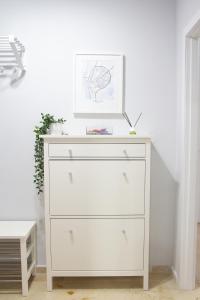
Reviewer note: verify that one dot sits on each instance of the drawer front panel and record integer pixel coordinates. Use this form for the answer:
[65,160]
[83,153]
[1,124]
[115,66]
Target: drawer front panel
[104,187]
[96,150]
[97,244]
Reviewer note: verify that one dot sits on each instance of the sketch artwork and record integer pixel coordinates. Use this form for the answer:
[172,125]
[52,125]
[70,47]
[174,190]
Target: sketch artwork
[98,83]
[98,79]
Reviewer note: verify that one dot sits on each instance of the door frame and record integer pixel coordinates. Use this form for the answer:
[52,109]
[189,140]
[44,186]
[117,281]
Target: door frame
[189,142]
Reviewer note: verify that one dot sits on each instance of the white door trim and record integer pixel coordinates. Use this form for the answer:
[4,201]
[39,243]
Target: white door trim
[188,213]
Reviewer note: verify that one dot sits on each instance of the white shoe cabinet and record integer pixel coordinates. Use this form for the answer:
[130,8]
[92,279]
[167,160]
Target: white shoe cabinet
[97,199]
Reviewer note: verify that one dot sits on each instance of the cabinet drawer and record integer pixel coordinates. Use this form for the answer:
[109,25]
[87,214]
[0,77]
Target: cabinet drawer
[96,150]
[101,187]
[97,244]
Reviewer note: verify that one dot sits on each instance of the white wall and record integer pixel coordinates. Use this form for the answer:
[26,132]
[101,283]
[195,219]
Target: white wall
[186,10]
[52,32]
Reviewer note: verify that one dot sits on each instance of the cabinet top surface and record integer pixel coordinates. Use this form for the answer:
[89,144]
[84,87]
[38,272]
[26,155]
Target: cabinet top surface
[95,139]
[15,229]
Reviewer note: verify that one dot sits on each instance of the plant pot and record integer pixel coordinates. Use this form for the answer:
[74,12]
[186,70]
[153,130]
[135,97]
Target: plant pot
[56,129]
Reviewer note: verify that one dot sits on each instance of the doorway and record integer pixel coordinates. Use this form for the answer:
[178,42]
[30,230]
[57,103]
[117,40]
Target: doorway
[190,189]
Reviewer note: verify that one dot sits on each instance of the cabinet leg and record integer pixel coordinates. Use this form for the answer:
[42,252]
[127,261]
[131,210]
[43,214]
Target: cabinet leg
[49,283]
[146,282]
[25,288]
[24,273]
[33,236]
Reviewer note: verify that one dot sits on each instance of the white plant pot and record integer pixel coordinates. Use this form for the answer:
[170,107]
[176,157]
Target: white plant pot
[56,129]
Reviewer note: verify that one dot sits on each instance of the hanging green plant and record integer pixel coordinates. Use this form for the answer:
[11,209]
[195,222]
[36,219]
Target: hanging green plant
[43,128]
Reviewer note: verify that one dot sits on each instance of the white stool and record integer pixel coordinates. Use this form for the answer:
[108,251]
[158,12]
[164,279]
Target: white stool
[25,233]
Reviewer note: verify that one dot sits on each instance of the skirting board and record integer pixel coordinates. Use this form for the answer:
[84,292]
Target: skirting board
[174,273]
[154,270]
[41,269]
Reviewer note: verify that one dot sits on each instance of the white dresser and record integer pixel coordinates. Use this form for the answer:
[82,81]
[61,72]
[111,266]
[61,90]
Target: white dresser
[97,199]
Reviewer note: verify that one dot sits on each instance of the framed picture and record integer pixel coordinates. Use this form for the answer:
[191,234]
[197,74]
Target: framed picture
[98,84]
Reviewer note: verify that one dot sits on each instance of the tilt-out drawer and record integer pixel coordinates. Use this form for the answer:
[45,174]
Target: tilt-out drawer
[97,187]
[97,150]
[97,244]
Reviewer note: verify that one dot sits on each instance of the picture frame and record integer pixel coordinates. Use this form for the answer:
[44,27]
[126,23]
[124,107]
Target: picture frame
[98,84]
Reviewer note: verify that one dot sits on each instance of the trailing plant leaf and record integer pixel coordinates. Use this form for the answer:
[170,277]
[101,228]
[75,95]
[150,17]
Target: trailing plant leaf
[43,128]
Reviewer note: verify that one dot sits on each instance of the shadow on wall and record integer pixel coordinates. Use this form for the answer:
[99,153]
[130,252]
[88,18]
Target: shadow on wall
[162,212]
[10,81]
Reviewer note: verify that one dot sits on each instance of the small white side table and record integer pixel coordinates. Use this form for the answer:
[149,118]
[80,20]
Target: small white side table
[25,233]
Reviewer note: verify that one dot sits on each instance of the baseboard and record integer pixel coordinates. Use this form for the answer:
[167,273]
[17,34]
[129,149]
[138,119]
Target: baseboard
[161,270]
[41,268]
[174,273]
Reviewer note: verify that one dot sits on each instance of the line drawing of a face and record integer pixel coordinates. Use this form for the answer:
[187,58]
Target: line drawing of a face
[98,79]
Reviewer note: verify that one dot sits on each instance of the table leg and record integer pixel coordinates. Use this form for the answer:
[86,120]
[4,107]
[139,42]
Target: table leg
[24,271]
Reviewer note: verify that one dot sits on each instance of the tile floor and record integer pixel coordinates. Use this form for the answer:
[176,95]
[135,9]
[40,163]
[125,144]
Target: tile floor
[162,287]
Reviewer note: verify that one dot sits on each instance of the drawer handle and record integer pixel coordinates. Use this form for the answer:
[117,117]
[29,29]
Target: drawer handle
[70,153]
[70,177]
[125,177]
[71,235]
[125,152]
[124,235]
